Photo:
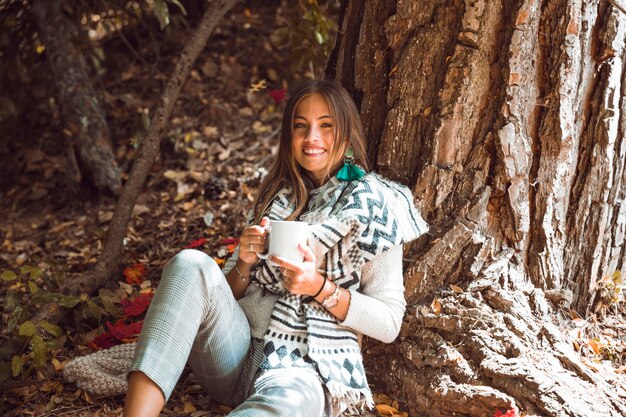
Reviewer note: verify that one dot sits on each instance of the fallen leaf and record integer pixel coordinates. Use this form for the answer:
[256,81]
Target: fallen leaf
[224,154]
[140,209]
[382,399]
[189,407]
[196,243]
[228,241]
[508,413]
[456,289]
[175,175]
[435,306]
[49,386]
[58,366]
[593,344]
[261,85]
[188,205]
[258,127]
[210,132]
[103,341]
[134,274]
[125,332]
[137,306]
[385,410]
[126,288]
[277,95]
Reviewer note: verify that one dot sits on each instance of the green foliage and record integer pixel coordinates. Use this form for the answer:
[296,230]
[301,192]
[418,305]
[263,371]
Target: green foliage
[309,34]
[30,343]
[161,11]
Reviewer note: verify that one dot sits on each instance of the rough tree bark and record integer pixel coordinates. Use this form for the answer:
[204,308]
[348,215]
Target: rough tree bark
[90,145]
[508,120]
[147,153]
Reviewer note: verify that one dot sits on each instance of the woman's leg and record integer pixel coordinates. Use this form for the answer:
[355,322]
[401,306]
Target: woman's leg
[144,398]
[290,392]
[193,313]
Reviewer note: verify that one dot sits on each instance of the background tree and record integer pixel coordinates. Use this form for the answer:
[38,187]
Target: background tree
[54,49]
[508,121]
[89,139]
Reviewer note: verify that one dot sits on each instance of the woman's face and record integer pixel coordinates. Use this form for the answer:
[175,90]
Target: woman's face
[313,136]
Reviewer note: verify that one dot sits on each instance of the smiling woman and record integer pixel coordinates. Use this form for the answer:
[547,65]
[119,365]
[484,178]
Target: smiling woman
[321,119]
[281,337]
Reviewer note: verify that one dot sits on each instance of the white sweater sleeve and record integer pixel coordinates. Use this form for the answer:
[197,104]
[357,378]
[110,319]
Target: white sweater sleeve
[377,308]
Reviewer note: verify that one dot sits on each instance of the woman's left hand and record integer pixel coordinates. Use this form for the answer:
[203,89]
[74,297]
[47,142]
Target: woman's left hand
[300,278]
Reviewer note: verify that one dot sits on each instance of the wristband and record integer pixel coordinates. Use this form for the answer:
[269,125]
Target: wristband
[321,288]
[333,299]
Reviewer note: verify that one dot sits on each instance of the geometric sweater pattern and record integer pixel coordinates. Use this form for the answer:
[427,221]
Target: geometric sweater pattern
[349,224]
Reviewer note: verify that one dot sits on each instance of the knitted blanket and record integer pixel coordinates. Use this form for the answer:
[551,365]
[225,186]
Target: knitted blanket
[349,224]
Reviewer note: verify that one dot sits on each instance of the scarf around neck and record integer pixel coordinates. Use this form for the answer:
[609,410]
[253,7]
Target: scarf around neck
[349,224]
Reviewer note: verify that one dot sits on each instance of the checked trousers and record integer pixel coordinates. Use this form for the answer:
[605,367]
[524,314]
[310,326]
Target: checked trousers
[194,318]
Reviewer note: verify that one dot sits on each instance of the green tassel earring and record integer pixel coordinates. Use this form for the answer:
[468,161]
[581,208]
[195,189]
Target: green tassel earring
[349,171]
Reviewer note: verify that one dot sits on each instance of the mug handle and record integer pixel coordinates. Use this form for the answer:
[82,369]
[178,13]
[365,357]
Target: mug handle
[265,255]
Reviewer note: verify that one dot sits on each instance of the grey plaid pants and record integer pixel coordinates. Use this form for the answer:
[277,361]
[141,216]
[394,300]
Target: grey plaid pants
[195,318]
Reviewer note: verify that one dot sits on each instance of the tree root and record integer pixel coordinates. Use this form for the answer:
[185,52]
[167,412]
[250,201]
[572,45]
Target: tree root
[491,350]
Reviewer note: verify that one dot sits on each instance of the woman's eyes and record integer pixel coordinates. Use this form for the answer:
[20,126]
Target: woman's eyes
[303,125]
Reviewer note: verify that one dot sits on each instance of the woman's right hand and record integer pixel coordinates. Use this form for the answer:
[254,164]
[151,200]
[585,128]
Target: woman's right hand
[252,241]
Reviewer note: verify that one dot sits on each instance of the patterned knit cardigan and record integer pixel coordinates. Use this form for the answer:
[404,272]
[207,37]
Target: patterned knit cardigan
[349,224]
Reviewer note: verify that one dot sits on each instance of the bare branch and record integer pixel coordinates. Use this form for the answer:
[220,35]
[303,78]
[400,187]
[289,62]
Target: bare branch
[148,152]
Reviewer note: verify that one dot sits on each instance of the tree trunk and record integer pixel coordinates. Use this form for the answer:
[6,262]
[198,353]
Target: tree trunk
[78,100]
[508,120]
[147,153]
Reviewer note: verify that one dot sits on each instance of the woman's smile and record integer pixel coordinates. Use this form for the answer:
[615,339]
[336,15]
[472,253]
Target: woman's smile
[314,152]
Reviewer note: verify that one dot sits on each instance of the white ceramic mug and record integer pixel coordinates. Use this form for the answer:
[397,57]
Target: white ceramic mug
[284,237]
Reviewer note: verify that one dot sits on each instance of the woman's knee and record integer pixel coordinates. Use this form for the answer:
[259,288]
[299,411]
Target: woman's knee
[295,392]
[190,264]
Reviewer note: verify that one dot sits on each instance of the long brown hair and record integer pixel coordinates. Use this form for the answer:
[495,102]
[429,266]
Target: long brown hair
[286,172]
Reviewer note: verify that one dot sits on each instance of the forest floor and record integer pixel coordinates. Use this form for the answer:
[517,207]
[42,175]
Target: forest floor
[218,145]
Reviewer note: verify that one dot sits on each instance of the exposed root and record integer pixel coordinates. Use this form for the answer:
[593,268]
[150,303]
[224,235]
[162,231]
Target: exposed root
[493,350]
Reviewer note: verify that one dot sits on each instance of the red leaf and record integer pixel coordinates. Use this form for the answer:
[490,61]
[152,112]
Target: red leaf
[135,273]
[509,413]
[125,332]
[231,248]
[277,95]
[196,243]
[137,306]
[103,341]
[229,241]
